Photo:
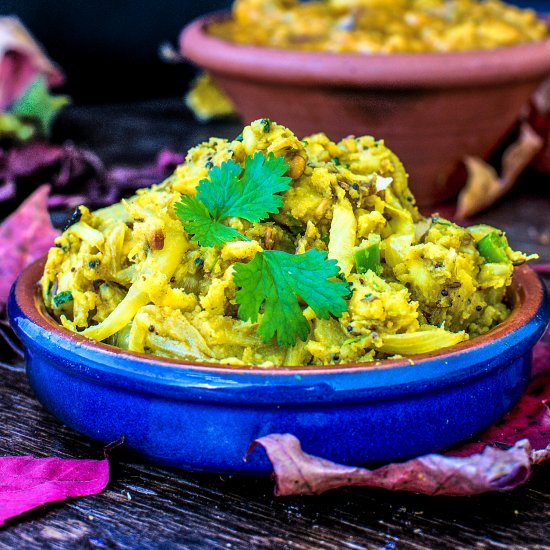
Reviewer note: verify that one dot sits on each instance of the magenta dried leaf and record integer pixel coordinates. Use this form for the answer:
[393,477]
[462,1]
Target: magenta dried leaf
[73,173]
[60,165]
[27,482]
[24,236]
[476,467]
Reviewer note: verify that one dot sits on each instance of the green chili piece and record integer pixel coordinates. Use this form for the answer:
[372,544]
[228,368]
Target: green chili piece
[62,297]
[368,258]
[266,125]
[479,231]
[441,221]
[493,248]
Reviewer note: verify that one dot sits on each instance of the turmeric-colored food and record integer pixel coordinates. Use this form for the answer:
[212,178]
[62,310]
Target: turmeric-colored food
[380,26]
[271,250]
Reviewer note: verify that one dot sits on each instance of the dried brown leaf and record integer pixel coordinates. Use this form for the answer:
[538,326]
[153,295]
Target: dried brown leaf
[484,186]
[298,473]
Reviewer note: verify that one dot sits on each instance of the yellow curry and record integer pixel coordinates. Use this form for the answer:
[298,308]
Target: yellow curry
[271,250]
[380,26]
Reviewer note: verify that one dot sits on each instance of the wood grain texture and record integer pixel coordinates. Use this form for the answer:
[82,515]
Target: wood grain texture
[149,507]
[146,506]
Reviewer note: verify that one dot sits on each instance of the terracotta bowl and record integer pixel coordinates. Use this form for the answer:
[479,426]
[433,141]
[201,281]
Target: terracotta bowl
[432,109]
[204,416]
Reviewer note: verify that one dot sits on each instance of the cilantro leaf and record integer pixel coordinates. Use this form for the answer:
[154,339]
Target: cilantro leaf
[37,103]
[216,192]
[254,195]
[201,224]
[230,191]
[276,279]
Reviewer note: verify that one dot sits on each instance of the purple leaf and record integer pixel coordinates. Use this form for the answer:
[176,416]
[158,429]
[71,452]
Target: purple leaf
[22,160]
[476,467]
[77,176]
[27,482]
[129,177]
[66,162]
[24,236]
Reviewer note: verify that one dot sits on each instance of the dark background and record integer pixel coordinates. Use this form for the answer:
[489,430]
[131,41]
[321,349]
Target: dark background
[109,49]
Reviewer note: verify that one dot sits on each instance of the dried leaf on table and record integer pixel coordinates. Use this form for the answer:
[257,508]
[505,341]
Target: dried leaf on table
[501,459]
[24,160]
[21,61]
[298,473]
[520,154]
[27,482]
[133,177]
[77,176]
[484,186]
[24,236]
[207,101]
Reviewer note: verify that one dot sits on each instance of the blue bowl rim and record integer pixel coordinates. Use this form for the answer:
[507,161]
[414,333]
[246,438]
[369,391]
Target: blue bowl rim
[109,365]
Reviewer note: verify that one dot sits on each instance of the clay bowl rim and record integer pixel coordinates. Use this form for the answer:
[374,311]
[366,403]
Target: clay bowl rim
[528,297]
[470,68]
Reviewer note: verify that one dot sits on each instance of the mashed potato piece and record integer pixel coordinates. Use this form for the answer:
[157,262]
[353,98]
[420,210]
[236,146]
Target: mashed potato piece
[129,274]
[380,26]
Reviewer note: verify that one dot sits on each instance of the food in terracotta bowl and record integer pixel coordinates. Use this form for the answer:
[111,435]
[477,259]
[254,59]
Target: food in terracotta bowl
[439,80]
[273,284]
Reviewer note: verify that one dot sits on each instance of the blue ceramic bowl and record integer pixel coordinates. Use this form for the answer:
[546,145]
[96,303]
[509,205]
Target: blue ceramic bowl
[203,417]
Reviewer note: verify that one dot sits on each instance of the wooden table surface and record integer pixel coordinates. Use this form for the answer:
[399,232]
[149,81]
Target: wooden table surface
[145,506]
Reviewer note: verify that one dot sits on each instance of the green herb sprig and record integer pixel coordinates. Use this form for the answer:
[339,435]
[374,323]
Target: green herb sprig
[250,194]
[274,281]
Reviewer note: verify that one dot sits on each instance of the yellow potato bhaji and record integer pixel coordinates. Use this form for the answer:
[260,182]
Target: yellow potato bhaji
[271,250]
[380,26]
